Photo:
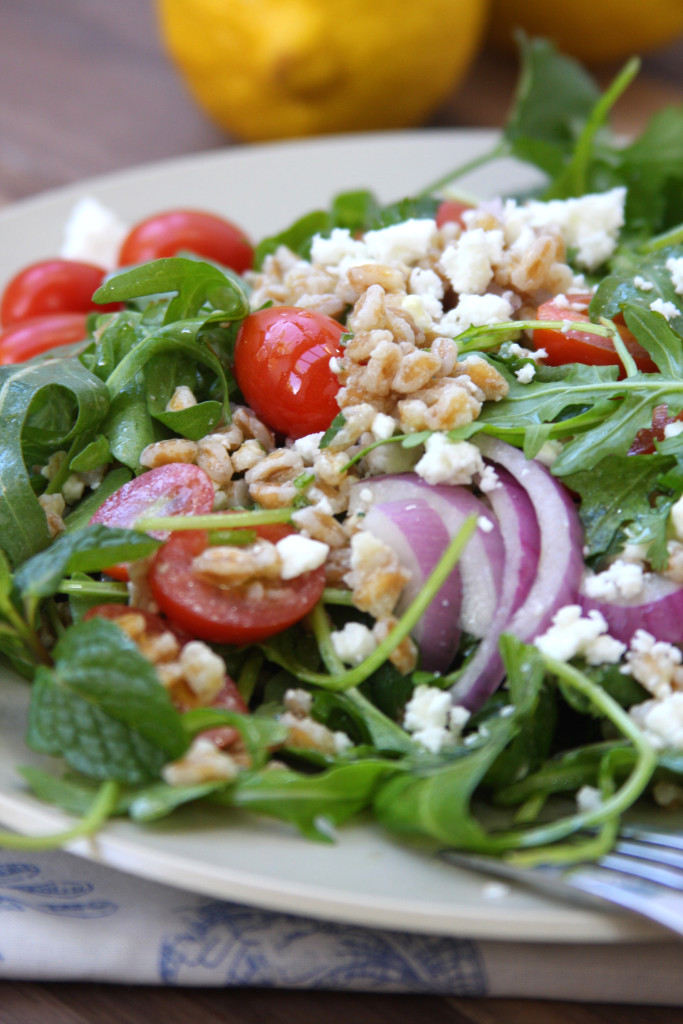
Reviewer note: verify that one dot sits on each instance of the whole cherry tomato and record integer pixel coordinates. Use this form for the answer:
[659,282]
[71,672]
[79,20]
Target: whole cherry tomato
[576,346]
[228,614]
[282,366]
[176,489]
[33,337]
[52,286]
[172,231]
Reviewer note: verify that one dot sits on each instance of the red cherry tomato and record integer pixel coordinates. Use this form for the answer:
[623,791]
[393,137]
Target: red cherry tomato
[450,211]
[224,614]
[204,234]
[32,337]
[282,365]
[52,286]
[177,489]
[576,346]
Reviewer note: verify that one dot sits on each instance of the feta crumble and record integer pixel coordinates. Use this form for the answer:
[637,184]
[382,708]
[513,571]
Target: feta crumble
[449,462]
[675,267]
[299,554]
[354,643]
[572,635]
[668,309]
[432,718]
[525,374]
[621,580]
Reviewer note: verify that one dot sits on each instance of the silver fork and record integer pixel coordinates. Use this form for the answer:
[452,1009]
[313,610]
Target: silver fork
[643,874]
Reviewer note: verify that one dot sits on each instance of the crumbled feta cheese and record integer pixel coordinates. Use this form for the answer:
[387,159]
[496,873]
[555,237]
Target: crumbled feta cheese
[588,798]
[668,309]
[675,267]
[340,249]
[469,261]
[661,721]
[93,233]
[673,429]
[642,283]
[476,311]
[406,242]
[513,349]
[488,480]
[308,446]
[422,312]
[525,374]
[589,224]
[432,718]
[449,462]
[655,664]
[354,643]
[620,580]
[425,283]
[572,635]
[484,524]
[300,554]
[383,427]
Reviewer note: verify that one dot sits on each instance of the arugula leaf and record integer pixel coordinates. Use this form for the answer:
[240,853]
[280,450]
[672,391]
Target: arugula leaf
[102,707]
[197,284]
[310,802]
[616,493]
[23,527]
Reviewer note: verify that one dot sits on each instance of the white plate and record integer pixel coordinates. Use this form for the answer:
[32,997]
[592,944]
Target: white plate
[366,878]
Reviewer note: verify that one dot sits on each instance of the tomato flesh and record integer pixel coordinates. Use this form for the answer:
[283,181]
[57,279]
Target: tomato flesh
[52,286]
[227,614]
[577,346]
[644,441]
[173,231]
[282,366]
[176,489]
[451,211]
[33,337]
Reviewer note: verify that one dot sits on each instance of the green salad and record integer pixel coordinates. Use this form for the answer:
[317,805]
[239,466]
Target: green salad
[383,518]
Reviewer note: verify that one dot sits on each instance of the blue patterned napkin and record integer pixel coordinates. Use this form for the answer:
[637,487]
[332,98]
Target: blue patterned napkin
[65,918]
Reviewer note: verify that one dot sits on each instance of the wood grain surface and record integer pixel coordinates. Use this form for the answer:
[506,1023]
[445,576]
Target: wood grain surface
[85,89]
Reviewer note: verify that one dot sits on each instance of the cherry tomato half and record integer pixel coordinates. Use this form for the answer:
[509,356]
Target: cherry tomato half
[576,346]
[172,231]
[230,615]
[450,211]
[177,489]
[32,337]
[52,286]
[282,366]
[644,441]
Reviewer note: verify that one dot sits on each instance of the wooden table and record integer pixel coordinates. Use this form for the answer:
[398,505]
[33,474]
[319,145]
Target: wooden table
[86,89]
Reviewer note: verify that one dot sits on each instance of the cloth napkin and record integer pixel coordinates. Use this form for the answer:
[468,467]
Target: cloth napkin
[69,919]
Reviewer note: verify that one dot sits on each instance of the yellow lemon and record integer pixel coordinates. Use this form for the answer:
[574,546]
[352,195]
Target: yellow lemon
[266,69]
[591,30]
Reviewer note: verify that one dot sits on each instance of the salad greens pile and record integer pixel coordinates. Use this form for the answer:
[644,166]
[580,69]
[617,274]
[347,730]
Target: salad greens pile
[96,703]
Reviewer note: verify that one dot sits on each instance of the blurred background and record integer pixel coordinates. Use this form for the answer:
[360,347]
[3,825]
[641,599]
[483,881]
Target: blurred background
[89,88]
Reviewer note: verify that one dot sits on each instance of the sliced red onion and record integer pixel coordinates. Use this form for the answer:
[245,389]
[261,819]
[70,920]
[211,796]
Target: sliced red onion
[484,671]
[481,563]
[560,562]
[418,536]
[658,609]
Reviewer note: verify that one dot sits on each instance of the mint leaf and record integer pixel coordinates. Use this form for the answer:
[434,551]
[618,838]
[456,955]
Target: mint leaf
[102,707]
[91,549]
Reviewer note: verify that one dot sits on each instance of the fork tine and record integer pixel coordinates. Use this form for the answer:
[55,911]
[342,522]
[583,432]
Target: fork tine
[648,870]
[649,851]
[656,902]
[656,837]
